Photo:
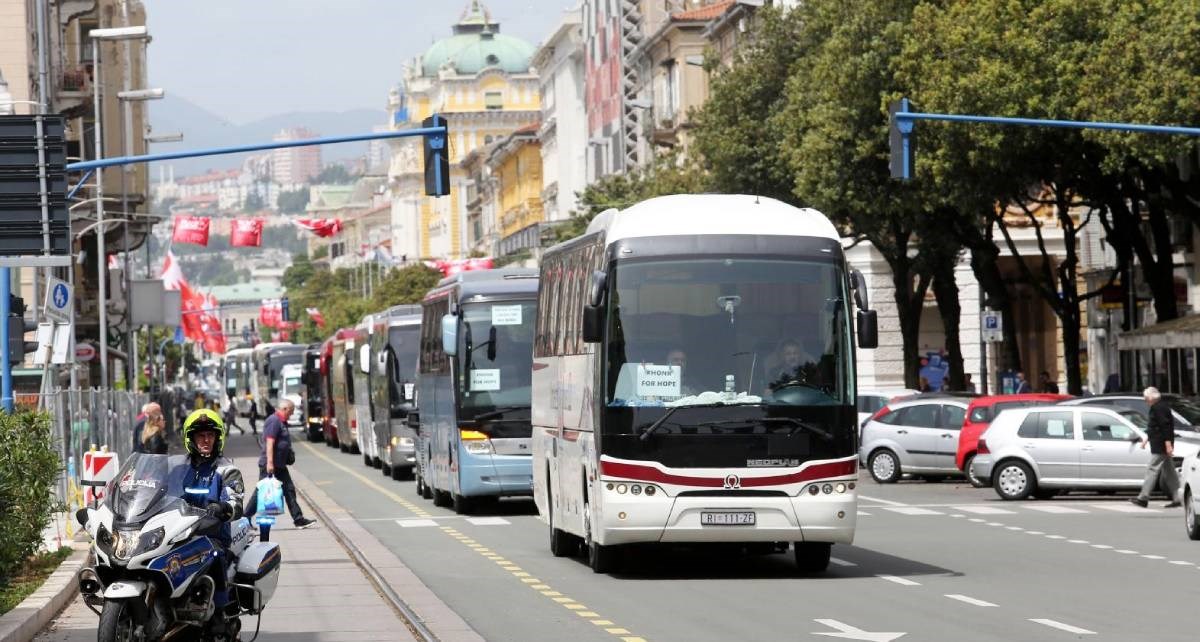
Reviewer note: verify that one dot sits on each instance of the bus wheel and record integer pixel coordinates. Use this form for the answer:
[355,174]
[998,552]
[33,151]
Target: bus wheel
[441,498]
[402,473]
[602,559]
[562,543]
[426,491]
[462,505]
[812,557]
[385,469]
[367,461]
[343,447]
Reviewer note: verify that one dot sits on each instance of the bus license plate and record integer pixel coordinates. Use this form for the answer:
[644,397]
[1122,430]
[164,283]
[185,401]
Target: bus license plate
[727,519]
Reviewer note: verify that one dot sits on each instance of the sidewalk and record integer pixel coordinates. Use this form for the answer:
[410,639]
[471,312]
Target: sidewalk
[322,595]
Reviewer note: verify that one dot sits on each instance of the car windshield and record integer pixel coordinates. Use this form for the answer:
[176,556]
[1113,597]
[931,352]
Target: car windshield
[693,332]
[495,348]
[405,344]
[146,486]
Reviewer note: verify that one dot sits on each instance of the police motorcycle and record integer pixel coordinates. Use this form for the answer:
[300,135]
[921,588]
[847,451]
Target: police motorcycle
[158,573]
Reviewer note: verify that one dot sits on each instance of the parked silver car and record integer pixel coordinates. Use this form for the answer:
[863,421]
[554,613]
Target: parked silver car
[914,435]
[872,401]
[1045,450]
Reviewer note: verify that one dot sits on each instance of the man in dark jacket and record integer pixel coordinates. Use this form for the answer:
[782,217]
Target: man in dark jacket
[1161,435]
[276,456]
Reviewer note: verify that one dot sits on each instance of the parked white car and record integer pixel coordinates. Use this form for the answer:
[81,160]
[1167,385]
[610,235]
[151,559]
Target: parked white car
[1189,477]
[871,401]
[1048,449]
[914,435]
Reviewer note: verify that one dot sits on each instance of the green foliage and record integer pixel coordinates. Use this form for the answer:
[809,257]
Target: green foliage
[298,273]
[406,285]
[13,590]
[343,305]
[293,202]
[335,174]
[321,252]
[29,467]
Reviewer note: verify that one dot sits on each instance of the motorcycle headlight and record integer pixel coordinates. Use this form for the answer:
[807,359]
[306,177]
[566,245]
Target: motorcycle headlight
[150,541]
[406,441]
[126,544]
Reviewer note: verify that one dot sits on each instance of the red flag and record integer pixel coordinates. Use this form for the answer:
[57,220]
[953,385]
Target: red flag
[210,321]
[246,233]
[323,227]
[191,229]
[316,316]
[172,276]
[192,311]
[270,314]
[451,267]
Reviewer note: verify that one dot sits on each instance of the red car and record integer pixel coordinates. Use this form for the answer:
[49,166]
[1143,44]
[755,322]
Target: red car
[980,414]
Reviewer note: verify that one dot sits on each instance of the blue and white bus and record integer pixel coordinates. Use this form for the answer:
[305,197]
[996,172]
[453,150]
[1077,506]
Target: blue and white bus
[473,388]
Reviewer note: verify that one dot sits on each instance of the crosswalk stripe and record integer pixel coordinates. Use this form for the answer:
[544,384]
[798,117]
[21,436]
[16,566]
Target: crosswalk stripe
[1057,510]
[984,510]
[1125,508]
[911,510]
[410,523]
[488,521]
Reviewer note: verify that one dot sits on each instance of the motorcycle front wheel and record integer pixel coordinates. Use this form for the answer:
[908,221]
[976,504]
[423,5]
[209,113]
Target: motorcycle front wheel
[116,622]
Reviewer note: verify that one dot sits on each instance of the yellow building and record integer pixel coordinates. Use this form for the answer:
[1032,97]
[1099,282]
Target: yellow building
[478,79]
[516,166]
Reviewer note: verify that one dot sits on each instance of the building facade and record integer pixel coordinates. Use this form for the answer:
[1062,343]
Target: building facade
[563,134]
[480,80]
[516,166]
[294,166]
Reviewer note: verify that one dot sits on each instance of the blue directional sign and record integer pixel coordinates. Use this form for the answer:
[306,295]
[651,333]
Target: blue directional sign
[59,299]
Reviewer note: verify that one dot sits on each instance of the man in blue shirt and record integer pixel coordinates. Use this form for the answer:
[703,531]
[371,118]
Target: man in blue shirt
[276,456]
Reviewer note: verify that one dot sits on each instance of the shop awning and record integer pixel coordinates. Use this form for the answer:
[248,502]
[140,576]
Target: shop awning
[1183,332]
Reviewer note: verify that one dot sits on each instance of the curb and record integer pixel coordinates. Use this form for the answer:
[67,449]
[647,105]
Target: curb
[427,616]
[43,605]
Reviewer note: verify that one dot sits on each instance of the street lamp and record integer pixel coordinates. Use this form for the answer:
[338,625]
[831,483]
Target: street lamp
[126,97]
[111,34]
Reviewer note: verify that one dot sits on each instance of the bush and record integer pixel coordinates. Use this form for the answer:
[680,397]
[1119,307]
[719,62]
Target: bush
[29,467]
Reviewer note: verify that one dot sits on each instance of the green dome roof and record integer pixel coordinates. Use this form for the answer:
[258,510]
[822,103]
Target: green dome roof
[477,45]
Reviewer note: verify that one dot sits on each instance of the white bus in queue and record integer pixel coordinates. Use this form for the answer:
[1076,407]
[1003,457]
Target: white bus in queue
[693,379]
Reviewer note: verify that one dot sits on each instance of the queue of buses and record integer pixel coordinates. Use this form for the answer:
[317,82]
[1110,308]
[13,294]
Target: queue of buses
[682,373]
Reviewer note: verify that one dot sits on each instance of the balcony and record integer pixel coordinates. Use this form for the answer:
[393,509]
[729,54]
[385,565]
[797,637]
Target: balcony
[74,88]
[665,131]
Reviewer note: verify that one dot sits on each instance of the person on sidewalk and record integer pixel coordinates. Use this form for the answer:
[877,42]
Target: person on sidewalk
[139,426]
[1023,386]
[1161,436]
[277,455]
[153,440]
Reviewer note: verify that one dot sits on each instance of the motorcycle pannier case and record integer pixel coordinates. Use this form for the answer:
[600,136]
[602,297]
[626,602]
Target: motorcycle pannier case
[258,566]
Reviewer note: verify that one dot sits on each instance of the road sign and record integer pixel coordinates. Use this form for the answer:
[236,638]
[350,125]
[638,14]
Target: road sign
[85,352]
[59,299]
[991,324]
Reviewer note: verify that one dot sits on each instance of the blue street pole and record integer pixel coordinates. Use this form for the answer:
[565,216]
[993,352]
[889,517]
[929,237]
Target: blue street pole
[6,382]
[237,149]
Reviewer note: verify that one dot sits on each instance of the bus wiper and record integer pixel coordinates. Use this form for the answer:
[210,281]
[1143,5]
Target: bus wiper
[670,411]
[500,410]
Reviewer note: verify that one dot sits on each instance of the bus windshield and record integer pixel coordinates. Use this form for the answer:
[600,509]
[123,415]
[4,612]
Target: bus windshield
[495,350]
[744,331]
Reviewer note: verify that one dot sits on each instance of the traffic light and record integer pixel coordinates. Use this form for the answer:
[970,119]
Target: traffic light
[18,326]
[437,158]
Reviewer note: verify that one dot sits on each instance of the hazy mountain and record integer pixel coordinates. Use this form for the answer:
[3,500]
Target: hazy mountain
[202,128]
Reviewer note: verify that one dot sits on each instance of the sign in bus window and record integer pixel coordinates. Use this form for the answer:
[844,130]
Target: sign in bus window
[506,315]
[658,381]
[485,380]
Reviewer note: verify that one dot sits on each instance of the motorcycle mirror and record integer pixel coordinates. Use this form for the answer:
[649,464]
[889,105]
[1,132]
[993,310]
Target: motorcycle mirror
[82,516]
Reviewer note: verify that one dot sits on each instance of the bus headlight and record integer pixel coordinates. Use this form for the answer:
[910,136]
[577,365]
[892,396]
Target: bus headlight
[475,442]
[406,441]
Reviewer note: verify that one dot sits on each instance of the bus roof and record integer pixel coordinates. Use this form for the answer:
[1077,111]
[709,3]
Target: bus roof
[489,283]
[711,214]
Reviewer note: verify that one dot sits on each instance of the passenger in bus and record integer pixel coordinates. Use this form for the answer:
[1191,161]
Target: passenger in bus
[678,358]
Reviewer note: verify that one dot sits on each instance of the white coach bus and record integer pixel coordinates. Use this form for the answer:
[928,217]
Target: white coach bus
[693,380]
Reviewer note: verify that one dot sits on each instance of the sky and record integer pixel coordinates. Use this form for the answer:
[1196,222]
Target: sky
[247,59]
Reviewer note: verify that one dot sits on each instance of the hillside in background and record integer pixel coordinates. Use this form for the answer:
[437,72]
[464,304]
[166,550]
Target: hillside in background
[202,128]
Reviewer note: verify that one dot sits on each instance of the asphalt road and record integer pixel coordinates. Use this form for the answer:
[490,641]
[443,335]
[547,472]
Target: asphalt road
[932,561]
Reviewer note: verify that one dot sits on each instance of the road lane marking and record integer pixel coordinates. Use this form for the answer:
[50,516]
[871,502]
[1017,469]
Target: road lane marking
[958,515]
[1055,537]
[840,562]
[977,520]
[1057,510]
[1102,547]
[994,524]
[488,521]
[415,522]
[1035,532]
[885,502]
[508,566]
[1154,557]
[587,614]
[1181,563]
[848,632]
[1077,541]
[911,510]
[1126,551]
[898,580]
[984,510]
[1014,528]
[969,600]
[1125,508]
[1054,624]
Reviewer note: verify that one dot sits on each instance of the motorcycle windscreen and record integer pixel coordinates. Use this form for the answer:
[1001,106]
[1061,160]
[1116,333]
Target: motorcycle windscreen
[146,486]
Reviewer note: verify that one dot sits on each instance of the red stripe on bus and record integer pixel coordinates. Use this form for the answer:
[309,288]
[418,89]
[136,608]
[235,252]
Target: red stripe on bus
[651,474]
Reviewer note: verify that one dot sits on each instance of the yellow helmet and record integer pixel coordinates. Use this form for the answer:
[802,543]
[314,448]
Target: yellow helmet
[203,419]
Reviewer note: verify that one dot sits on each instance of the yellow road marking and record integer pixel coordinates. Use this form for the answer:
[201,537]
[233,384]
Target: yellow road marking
[516,571]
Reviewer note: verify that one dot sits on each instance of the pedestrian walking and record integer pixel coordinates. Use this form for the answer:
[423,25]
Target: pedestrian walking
[1023,386]
[1161,436]
[277,455]
[153,439]
[139,426]
[1045,384]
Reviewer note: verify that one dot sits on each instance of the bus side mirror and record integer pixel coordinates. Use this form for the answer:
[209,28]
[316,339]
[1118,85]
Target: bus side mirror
[599,284]
[491,349]
[414,420]
[450,334]
[593,312]
[859,284]
[868,329]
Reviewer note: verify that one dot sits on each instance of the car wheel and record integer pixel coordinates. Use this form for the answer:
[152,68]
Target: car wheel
[1189,516]
[812,557]
[1013,480]
[976,480]
[885,466]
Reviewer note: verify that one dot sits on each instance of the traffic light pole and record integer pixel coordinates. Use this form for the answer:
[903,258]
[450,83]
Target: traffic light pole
[6,382]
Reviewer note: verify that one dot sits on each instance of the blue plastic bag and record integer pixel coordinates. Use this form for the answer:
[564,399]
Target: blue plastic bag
[270,496]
